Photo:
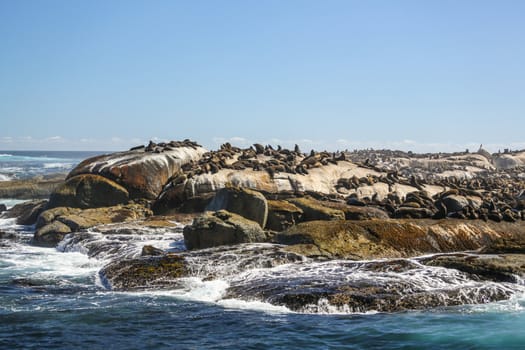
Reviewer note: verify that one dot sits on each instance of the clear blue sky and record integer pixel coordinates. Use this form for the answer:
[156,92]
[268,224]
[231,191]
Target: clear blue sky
[107,75]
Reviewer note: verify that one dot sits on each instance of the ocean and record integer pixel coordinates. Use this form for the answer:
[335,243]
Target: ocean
[54,298]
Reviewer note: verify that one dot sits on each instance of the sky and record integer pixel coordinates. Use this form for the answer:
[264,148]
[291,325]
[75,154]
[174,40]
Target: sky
[433,75]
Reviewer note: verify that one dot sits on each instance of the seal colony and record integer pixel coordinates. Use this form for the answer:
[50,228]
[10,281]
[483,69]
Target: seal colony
[360,205]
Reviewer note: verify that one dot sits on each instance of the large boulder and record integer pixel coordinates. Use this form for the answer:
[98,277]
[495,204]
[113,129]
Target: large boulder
[88,191]
[26,213]
[142,171]
[221,228]
[247,203]
[375,239]
[282,215]
[52,223]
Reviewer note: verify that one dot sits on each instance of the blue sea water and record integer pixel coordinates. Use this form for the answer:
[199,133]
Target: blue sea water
[54,299]
[25,164]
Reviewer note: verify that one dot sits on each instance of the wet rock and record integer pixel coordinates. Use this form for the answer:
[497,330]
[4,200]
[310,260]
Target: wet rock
[88,191]
[149,250]
[145,272]
[221,228]
[316,210]
[499,268]
[247,203]
[27,212]
[384,286]
[282,215]
[3,208]
[506,245]
[50,234]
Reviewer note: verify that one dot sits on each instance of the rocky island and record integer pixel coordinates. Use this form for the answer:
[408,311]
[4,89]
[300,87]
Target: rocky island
[368,221]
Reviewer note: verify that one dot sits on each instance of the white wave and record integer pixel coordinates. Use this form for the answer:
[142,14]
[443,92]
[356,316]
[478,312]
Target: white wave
[4,177]
[31,261]
[195,289]
[9,202]
[13,169]
[5,155]
[58,165]
[7,224]
[253,306]
[515,304]
[205,291]
[323,307]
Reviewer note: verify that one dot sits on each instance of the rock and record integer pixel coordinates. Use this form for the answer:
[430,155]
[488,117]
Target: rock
[171,198]
[78,219]
[455,203]
[27,212]
[88,191]
[282,215]
[3,208]
[51,234]
[506,245]
[221,228]
[149,250]
[315,210]
[376,239]
[247,203]
[145,272]
[499,268]
[381,285]
[39,187]
[143,174]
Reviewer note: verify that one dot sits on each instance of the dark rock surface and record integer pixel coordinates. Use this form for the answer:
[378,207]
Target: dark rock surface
[88,191]
[282,215]
[26,213]
[144,272]
[221,228]
[500,268]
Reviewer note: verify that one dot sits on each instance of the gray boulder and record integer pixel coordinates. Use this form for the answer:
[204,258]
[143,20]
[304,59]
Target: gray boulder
[221,228]
[247,203]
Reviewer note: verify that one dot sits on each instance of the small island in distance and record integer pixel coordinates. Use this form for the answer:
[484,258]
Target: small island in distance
[371,210]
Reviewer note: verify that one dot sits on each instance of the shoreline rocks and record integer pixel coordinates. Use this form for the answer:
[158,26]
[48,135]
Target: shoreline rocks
[314,208]
[39,187]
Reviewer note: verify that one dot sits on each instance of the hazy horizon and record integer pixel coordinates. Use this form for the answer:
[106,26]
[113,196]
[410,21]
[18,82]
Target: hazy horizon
[108,75]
